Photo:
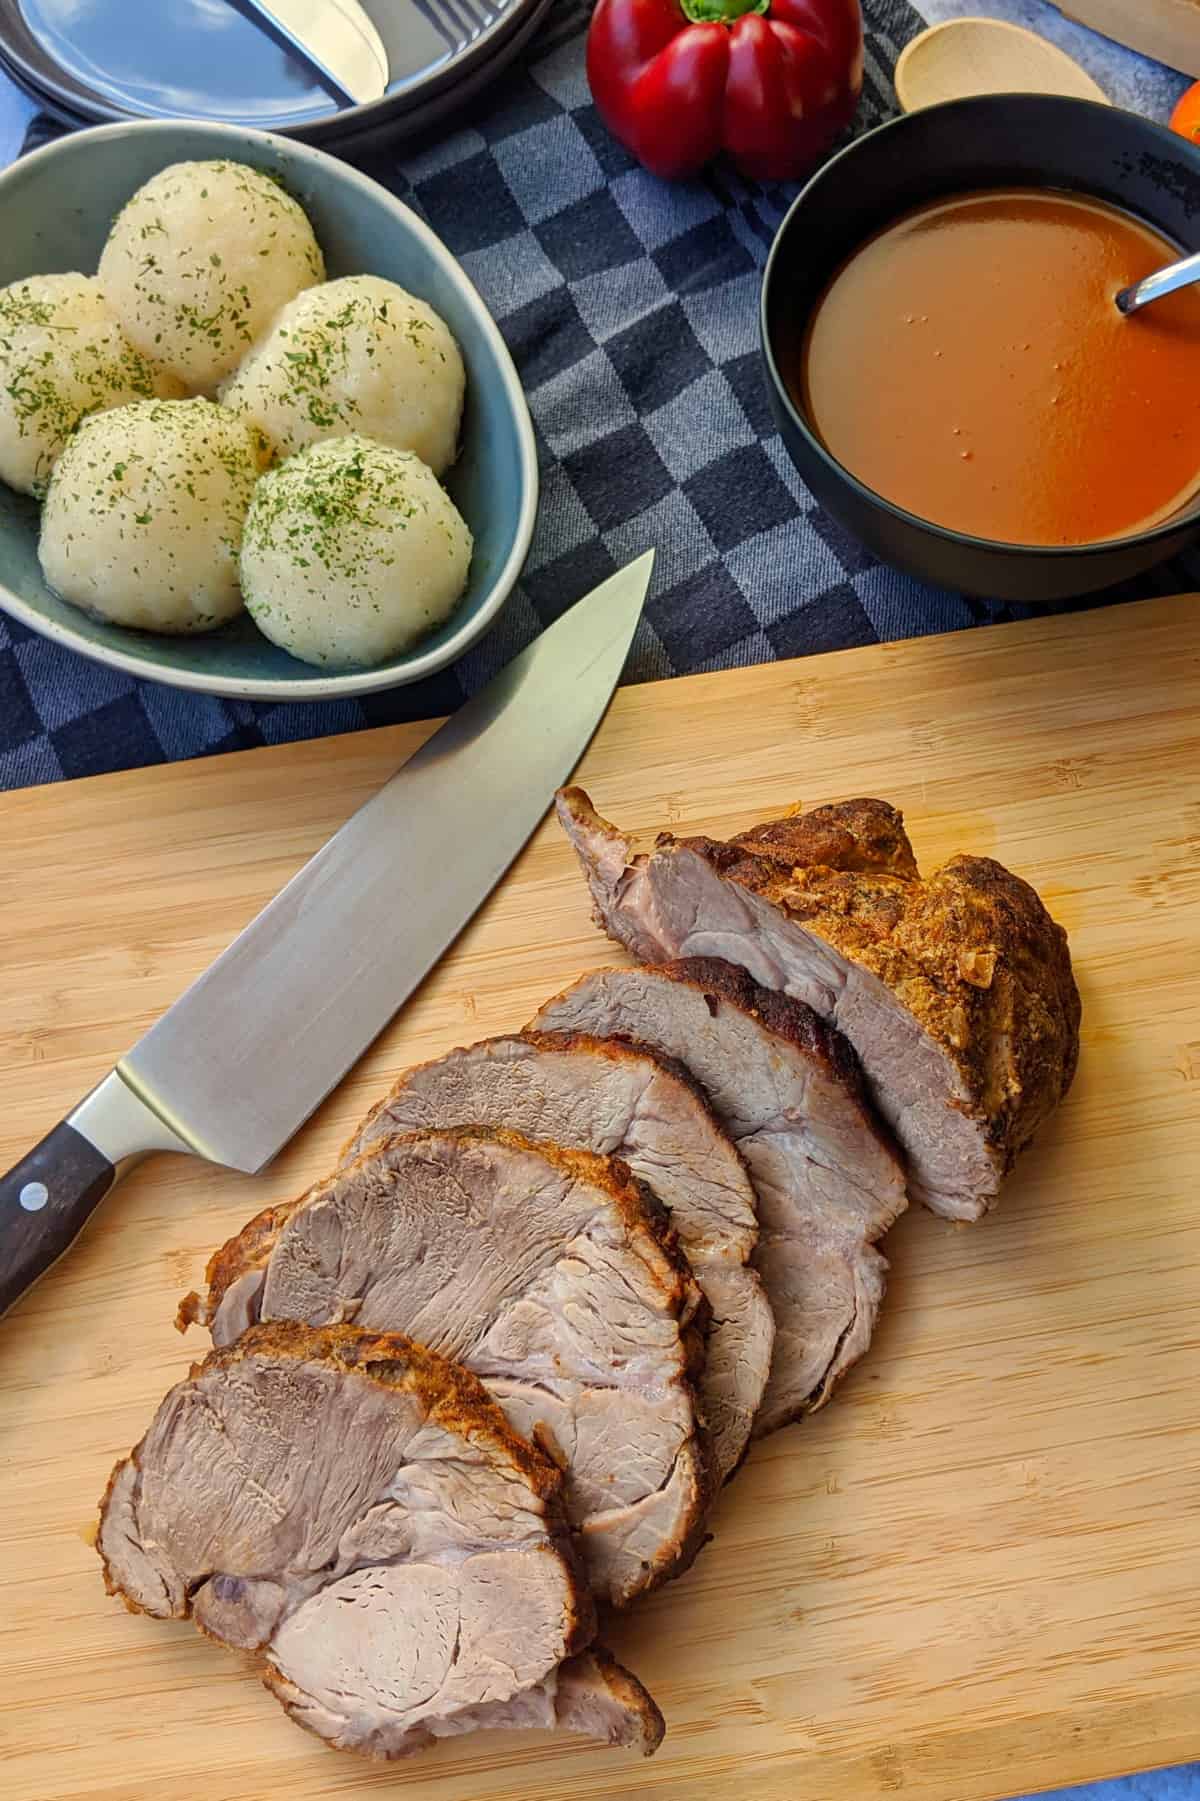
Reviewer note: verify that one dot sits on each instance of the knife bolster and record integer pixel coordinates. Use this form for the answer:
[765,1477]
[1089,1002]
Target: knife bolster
[124,1127]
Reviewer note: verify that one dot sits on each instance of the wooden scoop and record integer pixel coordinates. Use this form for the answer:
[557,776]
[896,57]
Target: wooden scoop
[963,57]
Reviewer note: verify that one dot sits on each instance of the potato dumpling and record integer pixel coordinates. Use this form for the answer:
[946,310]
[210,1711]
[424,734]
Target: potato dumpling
[62,355]
[201,259]
[356,355]
[352,552]
[144,513]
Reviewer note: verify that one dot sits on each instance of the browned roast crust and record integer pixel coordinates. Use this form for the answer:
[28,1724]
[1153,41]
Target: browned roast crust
[191,1310]
[449,1394]
[111,1587]
[972,952]
[635,1701]
[863,835]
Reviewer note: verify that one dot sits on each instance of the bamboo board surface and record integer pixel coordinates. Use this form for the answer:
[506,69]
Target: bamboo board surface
[978,1571]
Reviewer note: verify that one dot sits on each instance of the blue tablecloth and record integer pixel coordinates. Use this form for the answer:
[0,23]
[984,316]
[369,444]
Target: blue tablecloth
[630,309]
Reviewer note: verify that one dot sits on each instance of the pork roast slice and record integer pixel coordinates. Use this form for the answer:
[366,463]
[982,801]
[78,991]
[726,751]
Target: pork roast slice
[956,992]
[553,1276]
[590,1694]
[359,1513]
[623,1100]
[789,1093]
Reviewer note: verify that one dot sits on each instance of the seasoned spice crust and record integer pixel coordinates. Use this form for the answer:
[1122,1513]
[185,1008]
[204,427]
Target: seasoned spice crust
[862,835]
[972,952]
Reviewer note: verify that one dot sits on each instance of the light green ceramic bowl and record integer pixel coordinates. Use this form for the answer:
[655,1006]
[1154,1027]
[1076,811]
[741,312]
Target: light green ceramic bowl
[55,210]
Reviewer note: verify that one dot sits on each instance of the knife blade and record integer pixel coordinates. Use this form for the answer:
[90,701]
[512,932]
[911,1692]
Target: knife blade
[242,1058]
[336,37]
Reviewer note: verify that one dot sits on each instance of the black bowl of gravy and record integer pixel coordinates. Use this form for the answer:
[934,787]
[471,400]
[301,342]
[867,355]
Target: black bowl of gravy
[945,360]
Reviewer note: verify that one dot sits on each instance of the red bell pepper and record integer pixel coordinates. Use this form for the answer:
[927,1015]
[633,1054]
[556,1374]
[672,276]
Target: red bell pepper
[772,82]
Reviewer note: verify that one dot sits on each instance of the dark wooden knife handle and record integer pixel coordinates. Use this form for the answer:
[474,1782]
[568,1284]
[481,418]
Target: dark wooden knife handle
[45,1202]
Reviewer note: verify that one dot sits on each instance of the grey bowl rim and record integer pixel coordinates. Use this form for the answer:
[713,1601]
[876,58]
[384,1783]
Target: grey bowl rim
[350,683]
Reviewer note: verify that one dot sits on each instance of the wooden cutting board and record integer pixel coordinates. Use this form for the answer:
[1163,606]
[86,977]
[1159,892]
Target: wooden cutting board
[975,1574]
[1168,30]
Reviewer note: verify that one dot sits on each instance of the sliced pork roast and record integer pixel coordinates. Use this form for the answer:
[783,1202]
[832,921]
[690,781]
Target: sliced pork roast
[590,1694]
[359,1513]
[621,1099]
[790,1095]
[553,1276]
[956,991]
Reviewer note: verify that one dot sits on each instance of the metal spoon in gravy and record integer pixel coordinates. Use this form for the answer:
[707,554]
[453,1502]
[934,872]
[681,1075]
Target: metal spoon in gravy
[1164,281]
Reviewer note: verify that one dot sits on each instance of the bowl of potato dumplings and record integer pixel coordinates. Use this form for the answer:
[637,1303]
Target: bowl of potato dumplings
[259,435]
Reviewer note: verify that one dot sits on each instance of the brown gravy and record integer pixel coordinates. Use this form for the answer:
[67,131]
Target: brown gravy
[968,364]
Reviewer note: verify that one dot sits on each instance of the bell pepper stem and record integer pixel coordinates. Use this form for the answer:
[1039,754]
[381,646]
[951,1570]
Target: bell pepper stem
[721,12]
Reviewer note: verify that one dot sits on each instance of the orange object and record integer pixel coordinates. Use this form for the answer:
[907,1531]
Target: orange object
[968,363]
[1186,117]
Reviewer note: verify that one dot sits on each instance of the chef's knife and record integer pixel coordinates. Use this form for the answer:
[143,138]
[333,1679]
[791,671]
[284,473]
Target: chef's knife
[336,38]
[239,1062]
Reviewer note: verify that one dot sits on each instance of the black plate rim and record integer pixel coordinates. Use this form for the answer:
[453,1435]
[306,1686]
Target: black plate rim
[69,100]
[437,110]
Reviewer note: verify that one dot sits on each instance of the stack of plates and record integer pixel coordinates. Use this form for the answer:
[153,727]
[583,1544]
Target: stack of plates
[92,61]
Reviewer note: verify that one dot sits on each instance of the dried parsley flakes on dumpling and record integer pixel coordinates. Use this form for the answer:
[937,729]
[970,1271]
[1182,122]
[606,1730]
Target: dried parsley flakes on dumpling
[62,355]
[201,259]
[356,355]
[144,514]
[352,553]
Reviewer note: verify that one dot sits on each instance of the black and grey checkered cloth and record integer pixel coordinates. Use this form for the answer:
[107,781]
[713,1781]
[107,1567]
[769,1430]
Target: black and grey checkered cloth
[630,307]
